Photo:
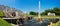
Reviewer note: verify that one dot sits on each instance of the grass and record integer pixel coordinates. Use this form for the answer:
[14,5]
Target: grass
[58,24]
[1,13]
[44,16]
[50,16]
[4,23]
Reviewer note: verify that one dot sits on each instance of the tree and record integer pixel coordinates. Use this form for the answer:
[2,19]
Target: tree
[55,10]
[46,11]
[33,13]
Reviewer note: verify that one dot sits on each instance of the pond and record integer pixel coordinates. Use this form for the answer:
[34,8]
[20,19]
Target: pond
[33,22]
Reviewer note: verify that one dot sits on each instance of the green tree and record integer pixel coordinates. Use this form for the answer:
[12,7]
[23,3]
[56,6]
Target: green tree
[55,10]
[33,13]
[46,11]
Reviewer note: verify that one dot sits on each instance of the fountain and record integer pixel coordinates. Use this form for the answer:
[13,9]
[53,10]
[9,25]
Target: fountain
[39,10]
[39,16]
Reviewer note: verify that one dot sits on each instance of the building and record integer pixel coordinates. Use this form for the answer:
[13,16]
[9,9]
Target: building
[51,14]
[10,12]
[2,7]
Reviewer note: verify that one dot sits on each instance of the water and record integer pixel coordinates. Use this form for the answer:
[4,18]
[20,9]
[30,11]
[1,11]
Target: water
[33,22]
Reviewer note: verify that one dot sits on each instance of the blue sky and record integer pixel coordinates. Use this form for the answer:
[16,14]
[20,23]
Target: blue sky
[31,5]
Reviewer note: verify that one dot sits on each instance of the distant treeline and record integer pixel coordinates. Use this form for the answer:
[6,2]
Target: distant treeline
[55,10]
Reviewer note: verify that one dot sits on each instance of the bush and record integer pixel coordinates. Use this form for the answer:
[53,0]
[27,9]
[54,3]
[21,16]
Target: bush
[4,23]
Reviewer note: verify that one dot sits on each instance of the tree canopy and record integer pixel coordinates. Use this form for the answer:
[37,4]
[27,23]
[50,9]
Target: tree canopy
[55,10]
[33,13]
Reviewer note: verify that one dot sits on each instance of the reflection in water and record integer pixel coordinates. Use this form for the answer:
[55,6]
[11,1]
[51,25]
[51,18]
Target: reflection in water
[33,22]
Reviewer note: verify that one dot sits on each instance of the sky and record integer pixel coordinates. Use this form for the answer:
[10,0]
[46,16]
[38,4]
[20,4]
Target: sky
[31,5]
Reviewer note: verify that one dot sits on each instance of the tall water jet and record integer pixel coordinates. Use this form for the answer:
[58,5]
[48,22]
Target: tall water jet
[39,16]
[39,10]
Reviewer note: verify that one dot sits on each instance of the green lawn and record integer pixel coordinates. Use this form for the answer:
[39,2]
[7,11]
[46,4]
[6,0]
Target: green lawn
[4,23]
[1,13]
[50,16]
[44,16]
[58,24]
